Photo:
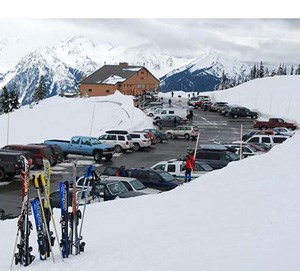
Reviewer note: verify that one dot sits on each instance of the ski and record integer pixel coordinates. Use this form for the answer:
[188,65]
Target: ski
[64,200]
[24,226]
[37,183]
[37,212]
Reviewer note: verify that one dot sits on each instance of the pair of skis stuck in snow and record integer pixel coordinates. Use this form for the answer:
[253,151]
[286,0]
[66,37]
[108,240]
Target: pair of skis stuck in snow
[71,242]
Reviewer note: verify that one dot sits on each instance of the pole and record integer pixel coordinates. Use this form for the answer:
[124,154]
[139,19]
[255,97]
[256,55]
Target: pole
[92,119]
[241,143]
[196,147]
[7,135]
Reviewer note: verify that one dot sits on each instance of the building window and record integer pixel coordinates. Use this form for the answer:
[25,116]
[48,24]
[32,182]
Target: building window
[142,72]
[142,78]
[90,89]
[120,85]
[107,91]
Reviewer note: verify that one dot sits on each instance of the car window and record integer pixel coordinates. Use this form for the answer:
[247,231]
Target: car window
[128,186]
[254,140]
[171,112]
[137,185]
[85,141]
[265,140]
[279,139]
[166,176]
[121,138]
[171,168]
[117,188]
[75,140]
[135,135]
[160,167]
[154,177]
[103,137]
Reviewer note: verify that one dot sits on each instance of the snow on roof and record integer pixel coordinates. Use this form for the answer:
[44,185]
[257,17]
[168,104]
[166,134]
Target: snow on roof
[132,69]
[112,80]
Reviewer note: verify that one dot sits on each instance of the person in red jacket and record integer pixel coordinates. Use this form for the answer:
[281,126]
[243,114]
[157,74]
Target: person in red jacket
[189,166]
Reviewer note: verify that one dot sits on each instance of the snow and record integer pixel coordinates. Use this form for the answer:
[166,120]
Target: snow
[242,217]
[112,80]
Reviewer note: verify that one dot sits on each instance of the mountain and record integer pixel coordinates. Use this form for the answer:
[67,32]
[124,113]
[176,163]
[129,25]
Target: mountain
[64,64]
[204,73]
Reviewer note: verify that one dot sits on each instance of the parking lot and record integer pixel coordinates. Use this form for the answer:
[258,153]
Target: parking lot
[212,126]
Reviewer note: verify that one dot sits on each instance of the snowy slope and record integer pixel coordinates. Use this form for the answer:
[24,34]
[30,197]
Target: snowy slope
[242,217]
[51,117]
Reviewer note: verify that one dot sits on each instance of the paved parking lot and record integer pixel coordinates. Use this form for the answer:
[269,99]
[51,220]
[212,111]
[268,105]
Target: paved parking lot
[212,126]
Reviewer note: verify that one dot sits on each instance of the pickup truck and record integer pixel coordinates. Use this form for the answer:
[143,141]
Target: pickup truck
[274,122]
[83,145]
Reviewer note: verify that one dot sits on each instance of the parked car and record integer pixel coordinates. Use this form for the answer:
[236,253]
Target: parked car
[160,135]
[111,189]
[217,156]
[260,132]
[184,131]
[269,140]
[177,168]
[157,179]
[140,140]
[180,112]
[215,106]
[274,122]
[131,184]
[206,106]
[10,164]
[119,139]
[57,152]
[84,145]
[283,131]
[169,121]
[236,112]
[38,152]
[247,149]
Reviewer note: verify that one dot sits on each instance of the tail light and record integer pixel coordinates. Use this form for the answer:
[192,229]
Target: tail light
[126,142]
[144,140]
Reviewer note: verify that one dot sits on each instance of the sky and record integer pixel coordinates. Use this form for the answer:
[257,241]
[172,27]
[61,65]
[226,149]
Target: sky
[187,30]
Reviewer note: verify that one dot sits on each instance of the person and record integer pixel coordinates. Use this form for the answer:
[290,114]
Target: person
[122,171]
[172,93]
[175,121]
[170,102]
[189,166]
[191,115]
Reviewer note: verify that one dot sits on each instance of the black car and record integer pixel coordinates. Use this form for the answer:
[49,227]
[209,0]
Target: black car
[160,136]
[169,121]
[217,156]
[244,112]
[157,179]
[10,163]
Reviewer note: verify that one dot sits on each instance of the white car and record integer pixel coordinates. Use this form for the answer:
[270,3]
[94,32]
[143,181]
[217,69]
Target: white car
[131,184]
[185,131]
[173,111]
[140,140]
[120,140]
[153,110]
[247,149]
[283,131]
[269,140]
[177,168]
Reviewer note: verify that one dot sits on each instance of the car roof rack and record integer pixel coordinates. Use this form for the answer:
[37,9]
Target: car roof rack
[120,132]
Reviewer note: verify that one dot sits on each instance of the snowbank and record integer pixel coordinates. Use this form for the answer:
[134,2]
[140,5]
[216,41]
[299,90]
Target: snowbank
[63,118]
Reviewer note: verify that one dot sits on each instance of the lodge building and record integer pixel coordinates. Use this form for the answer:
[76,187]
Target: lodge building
[129,80]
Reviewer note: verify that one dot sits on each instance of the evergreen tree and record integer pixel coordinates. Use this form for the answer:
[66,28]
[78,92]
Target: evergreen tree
[292,70]
[223,81]
[267,72]
[40,91]
[261,70]
[14,98]
[273,73]
[5,100]
[297,72]
[280,70]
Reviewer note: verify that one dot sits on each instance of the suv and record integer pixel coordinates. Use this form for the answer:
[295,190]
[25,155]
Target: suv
[183,131]
[10,164]
[269,140]
[57,152]
[235,112]
[157,179]
[169,121]
[38,153]
[217,156]
[119,139]
[140,140]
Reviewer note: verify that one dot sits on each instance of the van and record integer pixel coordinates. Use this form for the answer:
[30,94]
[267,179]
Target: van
[269,140]
[180,112]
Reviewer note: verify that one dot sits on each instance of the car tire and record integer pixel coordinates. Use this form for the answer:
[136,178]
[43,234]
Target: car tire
[159,140]
[187,136]
[169,136]
[235,116]
[254,117]
[2,174]
[97,156]
[118,149]
[151,115]
[108,157]
[136,146]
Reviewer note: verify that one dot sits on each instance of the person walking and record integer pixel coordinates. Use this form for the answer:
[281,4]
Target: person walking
[170,102]
[189,166]
[191,116]
[172,93]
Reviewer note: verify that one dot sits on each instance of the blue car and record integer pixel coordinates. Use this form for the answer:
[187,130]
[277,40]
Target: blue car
[159,135]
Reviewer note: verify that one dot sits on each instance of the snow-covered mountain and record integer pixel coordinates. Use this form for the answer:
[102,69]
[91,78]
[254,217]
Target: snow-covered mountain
[64,64]
[204,73]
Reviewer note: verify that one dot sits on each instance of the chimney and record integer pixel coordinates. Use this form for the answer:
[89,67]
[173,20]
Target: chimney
[123,64]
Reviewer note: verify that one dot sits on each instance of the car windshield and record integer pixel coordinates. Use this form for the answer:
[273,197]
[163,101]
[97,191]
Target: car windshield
[232,156]
[167,176]
[137,185]
[95,141]
[117,188]
[206,167]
